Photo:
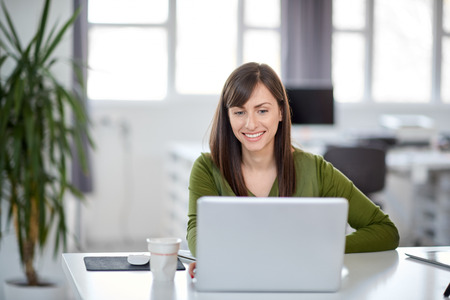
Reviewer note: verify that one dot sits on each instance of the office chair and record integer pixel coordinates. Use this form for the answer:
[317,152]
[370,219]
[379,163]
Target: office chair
[365,166]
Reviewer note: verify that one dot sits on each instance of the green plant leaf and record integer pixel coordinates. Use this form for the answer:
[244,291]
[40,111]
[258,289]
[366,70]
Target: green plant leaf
[11,35]
[2,60]
[52,45]
[41,30]
[50,36]
[18,96]
[48,111]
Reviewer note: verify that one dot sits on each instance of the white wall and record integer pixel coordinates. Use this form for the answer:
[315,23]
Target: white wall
[128,203]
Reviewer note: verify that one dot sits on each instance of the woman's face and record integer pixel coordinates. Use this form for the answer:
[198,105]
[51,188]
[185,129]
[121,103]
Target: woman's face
[256,123]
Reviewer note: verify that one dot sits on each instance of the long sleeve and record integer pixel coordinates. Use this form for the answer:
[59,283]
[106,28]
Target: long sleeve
[374,230]
[201,183]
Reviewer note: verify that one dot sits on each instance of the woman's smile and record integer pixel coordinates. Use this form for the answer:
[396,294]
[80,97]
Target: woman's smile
[254,136]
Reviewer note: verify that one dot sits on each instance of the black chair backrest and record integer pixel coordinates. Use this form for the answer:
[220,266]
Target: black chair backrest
[365,166]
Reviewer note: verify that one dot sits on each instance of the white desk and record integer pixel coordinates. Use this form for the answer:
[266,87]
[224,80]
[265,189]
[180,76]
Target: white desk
[378,275]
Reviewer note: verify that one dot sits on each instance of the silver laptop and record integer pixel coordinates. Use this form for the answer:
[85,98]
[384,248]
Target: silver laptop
[247,244]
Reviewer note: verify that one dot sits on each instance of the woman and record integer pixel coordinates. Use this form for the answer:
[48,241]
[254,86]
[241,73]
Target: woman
[252,155]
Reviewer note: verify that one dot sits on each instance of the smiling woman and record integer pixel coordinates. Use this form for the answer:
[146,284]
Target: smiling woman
[258,137]
[252,155]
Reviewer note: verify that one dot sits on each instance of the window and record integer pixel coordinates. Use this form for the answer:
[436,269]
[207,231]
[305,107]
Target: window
[127,49]
[206,45]
[385,51]
[155,49]
[445,86]
[348,59]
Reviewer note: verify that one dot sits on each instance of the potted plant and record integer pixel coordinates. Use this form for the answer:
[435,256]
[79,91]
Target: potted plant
[41,121]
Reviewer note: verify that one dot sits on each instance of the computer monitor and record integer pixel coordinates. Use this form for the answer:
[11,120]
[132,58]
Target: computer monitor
[311,106]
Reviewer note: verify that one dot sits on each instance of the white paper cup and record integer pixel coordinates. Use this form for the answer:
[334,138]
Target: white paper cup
[163,257]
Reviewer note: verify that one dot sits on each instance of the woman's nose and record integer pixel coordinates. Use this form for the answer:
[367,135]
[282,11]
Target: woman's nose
[251,122]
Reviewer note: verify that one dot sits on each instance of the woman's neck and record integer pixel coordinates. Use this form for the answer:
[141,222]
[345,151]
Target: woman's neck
[262,160]
[259,171]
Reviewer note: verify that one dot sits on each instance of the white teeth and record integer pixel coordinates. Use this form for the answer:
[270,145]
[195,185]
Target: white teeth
[253,135]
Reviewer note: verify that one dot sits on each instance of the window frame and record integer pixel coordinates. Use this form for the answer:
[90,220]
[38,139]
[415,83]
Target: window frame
[368,35]
[170,26]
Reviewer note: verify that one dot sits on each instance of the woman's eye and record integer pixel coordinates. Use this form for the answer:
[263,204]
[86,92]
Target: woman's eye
[263,111]
[238,113]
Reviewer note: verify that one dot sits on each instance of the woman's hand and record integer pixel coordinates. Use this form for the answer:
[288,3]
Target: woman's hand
[192,269]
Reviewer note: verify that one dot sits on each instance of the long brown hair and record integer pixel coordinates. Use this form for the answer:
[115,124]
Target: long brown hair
[226,149]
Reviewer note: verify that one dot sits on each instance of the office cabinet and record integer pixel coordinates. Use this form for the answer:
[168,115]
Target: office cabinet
[180,158]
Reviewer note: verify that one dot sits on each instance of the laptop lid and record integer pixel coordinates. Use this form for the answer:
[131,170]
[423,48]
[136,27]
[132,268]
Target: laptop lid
[249,244]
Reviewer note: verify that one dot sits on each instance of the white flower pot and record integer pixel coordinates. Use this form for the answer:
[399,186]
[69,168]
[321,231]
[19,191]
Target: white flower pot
[18,290]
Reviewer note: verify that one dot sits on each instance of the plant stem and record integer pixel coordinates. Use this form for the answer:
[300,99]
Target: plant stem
[30,272]
[29,243]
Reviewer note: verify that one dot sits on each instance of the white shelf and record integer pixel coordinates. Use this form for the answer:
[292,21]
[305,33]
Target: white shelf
[179,163]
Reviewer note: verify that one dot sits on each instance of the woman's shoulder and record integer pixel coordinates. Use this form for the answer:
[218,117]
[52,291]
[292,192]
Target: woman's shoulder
[204,157]
[305,156]
[202,167]
[204,161]
[309,161]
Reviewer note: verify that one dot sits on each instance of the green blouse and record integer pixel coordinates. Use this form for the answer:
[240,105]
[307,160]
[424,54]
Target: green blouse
[315,178]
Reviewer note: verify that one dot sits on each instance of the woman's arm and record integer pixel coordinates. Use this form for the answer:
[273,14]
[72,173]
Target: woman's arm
[374,230]
[201,183]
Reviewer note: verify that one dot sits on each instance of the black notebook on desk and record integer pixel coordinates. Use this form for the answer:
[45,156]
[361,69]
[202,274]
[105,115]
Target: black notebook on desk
[117,263]
[440,258]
